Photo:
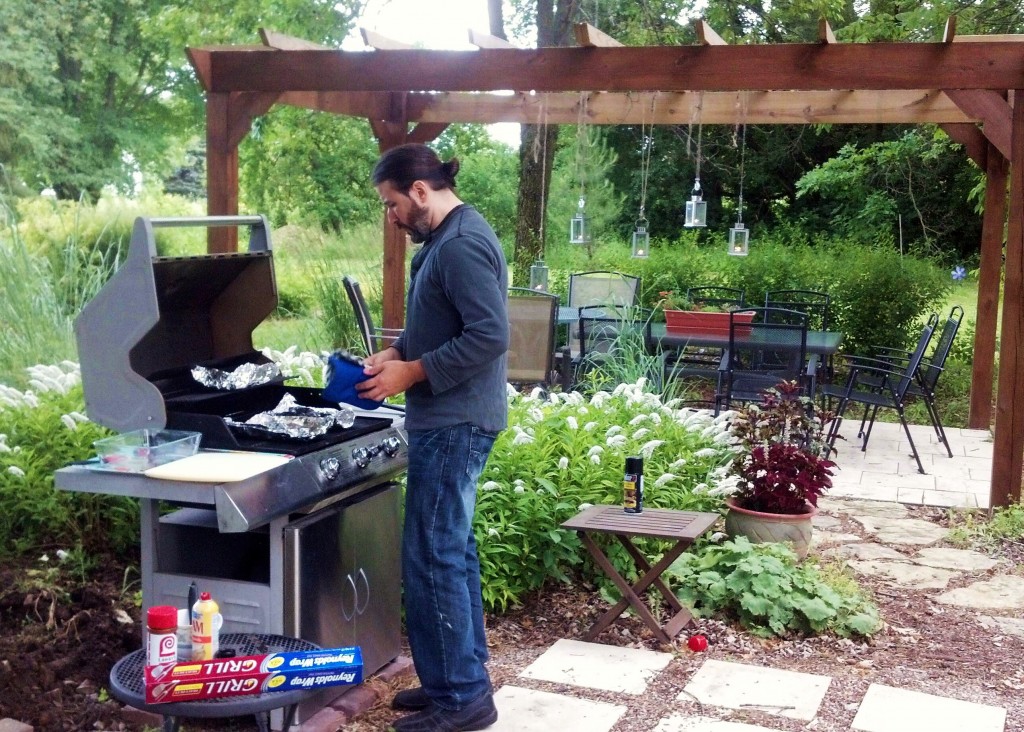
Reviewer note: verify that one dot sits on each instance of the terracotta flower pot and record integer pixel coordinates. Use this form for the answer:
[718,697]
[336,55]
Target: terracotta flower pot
[762,527]
[681,322]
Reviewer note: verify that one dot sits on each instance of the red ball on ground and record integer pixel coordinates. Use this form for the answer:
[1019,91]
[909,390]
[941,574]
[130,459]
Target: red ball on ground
[697,643]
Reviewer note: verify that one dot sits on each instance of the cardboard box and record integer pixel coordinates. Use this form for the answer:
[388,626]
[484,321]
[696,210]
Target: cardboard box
[173,682]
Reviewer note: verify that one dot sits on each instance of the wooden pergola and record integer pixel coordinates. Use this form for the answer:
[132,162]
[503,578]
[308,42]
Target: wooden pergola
[965,84]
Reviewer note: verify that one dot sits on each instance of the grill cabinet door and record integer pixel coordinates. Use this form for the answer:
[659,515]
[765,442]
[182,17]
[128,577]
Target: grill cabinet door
[343,577]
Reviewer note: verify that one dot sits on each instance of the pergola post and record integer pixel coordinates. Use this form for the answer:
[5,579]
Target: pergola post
[1008,451]
[392,134]
[993,224]
[221,172]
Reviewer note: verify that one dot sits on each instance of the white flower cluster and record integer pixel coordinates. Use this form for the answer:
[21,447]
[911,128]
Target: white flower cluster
[60,378]
[295,364]
[71,420]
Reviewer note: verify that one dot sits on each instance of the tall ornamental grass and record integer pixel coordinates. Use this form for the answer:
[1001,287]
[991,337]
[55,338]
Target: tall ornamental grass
[33,325]
[563,452]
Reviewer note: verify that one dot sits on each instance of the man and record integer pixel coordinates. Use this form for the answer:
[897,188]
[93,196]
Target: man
[450,362]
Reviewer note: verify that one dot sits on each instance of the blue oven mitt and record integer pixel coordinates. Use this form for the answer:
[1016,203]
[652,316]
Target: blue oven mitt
[344,371]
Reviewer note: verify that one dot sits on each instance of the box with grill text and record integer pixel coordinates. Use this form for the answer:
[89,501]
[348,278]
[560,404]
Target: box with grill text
[172,682]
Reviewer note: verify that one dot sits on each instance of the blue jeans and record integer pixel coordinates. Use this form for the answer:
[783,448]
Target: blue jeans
[440,569]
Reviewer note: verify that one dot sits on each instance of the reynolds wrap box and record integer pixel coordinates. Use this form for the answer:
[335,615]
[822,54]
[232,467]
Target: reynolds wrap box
[172,682]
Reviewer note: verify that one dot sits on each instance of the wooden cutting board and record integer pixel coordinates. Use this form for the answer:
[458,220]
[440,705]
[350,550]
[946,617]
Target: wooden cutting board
[218,467]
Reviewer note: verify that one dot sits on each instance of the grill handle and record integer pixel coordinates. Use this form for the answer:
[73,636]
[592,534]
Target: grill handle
[259,240]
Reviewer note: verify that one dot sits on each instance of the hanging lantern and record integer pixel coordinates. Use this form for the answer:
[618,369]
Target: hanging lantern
[539,276]
[579,227]
[696,208]
[641,240]
[739,240]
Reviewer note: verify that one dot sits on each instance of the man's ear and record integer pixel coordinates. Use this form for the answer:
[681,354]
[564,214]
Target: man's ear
[419,192]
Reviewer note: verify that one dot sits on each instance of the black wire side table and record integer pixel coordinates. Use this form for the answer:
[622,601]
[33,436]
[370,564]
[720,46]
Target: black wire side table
[127,685]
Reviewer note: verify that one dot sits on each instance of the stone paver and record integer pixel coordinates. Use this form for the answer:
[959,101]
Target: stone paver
[526,710]
[678,723]
[905,574]
[887,709]
[999,593]
[961,559]
[1007,626]
[773,691]
[598,666]
[867,550]
[878,509]
[901,531]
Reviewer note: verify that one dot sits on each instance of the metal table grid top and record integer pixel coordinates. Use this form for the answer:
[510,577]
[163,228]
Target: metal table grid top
[127,683]
[658,523]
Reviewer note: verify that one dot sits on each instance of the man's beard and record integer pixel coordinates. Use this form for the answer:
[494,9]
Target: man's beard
[419,223]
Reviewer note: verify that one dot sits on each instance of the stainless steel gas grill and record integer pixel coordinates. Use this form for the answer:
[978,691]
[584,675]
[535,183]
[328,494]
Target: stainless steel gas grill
[309,548]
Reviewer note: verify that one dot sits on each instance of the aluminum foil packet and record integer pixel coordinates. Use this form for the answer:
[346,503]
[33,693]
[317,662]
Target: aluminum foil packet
[296,421]
[246,375]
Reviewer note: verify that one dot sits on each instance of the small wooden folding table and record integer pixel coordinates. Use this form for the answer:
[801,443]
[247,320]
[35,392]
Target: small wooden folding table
[683,527]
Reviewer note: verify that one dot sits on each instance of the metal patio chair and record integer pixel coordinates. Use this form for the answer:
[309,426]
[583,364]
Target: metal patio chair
[603,288]
[877,384]
[717,295]
[813,304]
[612,332]
[927,375]
[374,338]
[702,362]
[532,356]
[762,353]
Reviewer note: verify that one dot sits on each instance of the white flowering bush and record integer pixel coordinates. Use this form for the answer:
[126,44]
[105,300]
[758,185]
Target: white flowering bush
[44,428]
[563,452]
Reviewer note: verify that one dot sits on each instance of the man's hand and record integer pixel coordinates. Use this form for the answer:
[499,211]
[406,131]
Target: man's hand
[390,376]
[388,354]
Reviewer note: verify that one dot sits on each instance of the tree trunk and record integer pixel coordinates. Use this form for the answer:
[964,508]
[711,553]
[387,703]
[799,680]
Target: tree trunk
[534,185]
[536,157]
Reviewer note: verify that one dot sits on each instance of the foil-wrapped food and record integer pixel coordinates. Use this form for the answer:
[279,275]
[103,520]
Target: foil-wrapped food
[243,377]
[295,421]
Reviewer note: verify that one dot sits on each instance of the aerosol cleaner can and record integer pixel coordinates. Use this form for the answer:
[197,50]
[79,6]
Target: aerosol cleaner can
[633,485]
[206,622]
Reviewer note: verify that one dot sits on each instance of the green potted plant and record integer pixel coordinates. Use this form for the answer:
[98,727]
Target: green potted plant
[683,316]
[782,468]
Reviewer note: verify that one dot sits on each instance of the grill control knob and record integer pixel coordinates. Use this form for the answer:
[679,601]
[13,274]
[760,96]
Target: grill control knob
[390,446]
[361,456]
[331,467]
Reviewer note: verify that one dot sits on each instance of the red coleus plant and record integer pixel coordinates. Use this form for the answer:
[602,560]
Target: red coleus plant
[781,478]
[783,463]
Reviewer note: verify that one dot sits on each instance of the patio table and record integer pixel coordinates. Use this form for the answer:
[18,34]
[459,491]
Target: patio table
[127,685]
[682,527]
[819,342]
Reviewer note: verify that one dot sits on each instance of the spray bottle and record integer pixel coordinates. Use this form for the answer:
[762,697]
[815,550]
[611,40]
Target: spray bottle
[633,486]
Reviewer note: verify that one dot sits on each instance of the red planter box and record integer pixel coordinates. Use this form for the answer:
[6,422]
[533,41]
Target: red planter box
[681,322]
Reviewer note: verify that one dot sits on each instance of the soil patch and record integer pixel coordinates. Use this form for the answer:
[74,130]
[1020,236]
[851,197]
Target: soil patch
[60,635]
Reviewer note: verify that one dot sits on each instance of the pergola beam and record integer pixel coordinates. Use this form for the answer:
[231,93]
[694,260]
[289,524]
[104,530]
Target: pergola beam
[914,106]
[806,67]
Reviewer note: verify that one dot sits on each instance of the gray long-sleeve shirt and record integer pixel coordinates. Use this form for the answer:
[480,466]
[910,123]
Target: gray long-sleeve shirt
[457,324]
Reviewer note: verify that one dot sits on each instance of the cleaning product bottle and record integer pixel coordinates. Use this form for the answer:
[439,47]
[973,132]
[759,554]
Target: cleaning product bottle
[633,486]
[205,628]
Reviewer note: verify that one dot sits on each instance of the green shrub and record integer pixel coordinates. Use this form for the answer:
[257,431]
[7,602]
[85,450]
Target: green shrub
[878,297]
[562,453]
[41,431]
[975,529]
[764,588]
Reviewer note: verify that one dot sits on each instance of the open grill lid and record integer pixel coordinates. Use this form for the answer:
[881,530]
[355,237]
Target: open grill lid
[157,317]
